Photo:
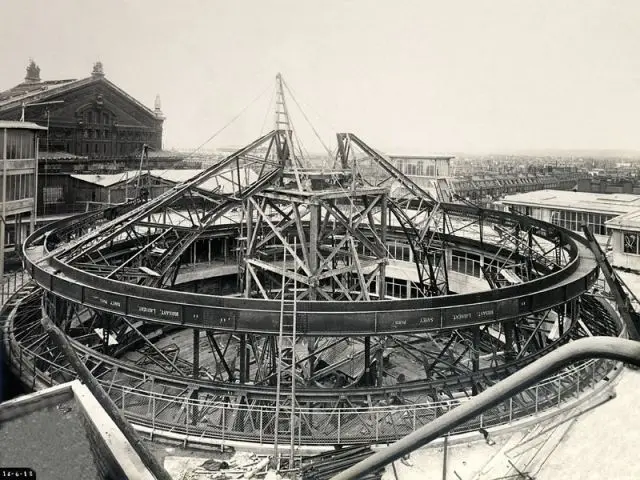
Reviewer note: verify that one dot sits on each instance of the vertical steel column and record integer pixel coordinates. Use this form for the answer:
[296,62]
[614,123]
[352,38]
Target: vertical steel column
[243,357]
[314,230]
[247,252]
[509,351]
[476,360]
[379,365]
[34,211]
[106,327]
[4,202]
[196,372]
[367,360]
[382,285]
[446,255]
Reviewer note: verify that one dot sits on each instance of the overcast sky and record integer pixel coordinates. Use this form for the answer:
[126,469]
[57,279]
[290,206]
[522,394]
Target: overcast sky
[407,76]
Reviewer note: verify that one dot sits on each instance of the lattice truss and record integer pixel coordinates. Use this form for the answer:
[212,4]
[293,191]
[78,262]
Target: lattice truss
[161,230]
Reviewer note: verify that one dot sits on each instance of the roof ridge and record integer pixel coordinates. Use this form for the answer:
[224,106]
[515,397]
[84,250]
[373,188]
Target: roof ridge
[35,94]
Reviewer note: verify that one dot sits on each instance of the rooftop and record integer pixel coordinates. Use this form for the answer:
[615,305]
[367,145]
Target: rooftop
[616,203]
[33,426]
[60,156]
[105,180]
[23,125]
[629,221]
[33,89]
[220,183]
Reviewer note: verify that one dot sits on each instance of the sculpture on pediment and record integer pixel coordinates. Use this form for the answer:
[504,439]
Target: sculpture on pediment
[98,70]
[33,72]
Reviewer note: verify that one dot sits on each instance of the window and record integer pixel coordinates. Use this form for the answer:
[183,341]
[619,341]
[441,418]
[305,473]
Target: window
[400,251]
[19,187]
[10,235]
[465,262]
[573,220]
[396,288]
[630,243]
[52,195]
[20,144]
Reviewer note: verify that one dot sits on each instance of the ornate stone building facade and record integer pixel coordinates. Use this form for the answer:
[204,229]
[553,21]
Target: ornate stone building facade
[89,117]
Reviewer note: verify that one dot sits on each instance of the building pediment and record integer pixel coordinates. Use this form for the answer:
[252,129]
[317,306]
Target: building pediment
[91,117]
[96,93]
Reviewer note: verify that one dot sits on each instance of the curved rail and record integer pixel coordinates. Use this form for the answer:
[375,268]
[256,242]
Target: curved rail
[599,347]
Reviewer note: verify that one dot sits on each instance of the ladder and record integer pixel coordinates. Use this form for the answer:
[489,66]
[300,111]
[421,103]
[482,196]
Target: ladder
[288,323]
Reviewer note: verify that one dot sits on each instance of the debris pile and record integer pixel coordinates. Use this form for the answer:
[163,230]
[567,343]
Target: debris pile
[328,464]
[241,465]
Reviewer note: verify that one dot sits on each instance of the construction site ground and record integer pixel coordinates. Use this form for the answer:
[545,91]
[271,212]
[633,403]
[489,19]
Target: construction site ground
[595,440]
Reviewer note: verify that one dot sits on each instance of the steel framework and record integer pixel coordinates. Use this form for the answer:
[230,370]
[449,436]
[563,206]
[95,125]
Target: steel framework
[386,296]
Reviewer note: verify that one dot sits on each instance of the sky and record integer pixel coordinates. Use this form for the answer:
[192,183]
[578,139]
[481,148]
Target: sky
[424,76]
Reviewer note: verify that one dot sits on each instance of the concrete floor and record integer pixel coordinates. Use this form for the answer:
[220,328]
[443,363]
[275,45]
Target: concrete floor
[603,444]
[593,442]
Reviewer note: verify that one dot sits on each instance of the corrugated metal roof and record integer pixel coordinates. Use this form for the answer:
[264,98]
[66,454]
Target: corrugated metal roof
[24,125]
[106,180]
[222,182]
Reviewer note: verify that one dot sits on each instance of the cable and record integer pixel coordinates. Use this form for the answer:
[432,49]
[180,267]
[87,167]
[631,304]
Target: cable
[229,123]
[264,122]
[305,117]
[219,131]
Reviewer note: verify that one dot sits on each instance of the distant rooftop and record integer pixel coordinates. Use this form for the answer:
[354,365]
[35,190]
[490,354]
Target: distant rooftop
[615,203]
[421,157]
[220,183]
[60,156]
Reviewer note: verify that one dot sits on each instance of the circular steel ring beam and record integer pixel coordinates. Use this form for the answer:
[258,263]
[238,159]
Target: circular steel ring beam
[324,318]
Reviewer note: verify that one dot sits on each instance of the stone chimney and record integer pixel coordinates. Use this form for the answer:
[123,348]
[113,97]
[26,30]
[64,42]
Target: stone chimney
[98,71]
[33,72]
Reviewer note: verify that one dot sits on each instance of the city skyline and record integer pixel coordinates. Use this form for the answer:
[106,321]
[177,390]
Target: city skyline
[422,77]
